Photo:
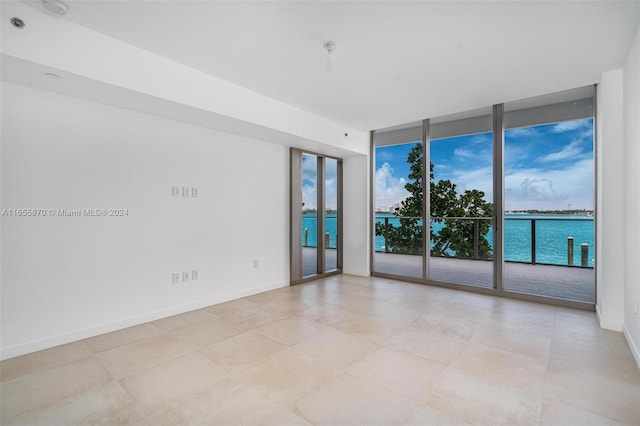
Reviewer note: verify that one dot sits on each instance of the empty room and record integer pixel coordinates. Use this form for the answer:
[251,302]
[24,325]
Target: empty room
[319,212]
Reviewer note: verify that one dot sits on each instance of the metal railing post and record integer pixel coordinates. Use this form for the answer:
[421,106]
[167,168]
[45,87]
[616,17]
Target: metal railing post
[476,239]
[533,241]
[386,235]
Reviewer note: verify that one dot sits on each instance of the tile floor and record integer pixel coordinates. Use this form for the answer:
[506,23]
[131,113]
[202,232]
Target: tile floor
[344,350]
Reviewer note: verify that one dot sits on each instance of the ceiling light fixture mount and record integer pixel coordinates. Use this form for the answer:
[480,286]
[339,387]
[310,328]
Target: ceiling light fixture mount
[330,46]
[17,22]
[56,7]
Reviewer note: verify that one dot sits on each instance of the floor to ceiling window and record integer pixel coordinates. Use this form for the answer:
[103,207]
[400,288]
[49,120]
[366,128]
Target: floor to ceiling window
[399,234]
[331,214]
[461,199]
[549,197]
[316,216]
[309,224]
[510,199]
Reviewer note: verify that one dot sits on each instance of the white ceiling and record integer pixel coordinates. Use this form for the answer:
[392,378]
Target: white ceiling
[395,61]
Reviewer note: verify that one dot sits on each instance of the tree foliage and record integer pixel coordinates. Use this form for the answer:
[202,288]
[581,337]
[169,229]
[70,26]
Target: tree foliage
[456,237]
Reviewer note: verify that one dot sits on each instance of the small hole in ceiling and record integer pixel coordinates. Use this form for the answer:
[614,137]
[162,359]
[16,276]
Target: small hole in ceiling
[17,22]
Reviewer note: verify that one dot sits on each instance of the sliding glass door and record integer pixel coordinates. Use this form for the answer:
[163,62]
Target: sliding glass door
[399,234]
[316,216]
[330,214]
[443,167]
[461,200]
[549,197]
[309,223]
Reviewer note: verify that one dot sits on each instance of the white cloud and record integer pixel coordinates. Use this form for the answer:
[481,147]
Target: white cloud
[573,150]
[310,183]
[309,168]
[331,193]
[389,188]
[537,189]
[482,138]
[309,196]
[517,153]
[566,126]
[550,190]
[331,184]
[383,155]
[480,179]
[464,153]
[522,132]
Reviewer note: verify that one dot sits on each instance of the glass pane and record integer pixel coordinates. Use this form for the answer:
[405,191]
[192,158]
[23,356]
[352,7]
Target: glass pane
[398,210]
[461,238]
[309,215]
[331,214]
[517,239]
[549,227]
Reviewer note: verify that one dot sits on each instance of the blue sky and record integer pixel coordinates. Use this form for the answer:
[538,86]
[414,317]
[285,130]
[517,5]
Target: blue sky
[547,167]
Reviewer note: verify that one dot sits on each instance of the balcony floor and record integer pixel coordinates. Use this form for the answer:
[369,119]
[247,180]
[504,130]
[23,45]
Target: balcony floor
[572,283]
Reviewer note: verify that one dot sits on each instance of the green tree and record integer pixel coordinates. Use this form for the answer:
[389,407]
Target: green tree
[456,236]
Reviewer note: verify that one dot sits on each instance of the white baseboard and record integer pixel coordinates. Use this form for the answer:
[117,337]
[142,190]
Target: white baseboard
[632,345]
[599,315]
[358,272]
[606,324]
[73,336]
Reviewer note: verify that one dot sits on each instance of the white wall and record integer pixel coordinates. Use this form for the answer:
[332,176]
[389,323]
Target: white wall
[356,236]
[610,230]
[66,278]
[632,196]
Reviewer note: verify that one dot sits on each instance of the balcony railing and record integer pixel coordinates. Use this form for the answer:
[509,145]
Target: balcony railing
[546,240]
[560,234]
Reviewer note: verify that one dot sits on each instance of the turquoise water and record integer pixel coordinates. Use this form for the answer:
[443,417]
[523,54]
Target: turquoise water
[551,236]
[309,221]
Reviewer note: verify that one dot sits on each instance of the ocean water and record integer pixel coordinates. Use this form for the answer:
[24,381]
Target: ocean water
[551,236]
